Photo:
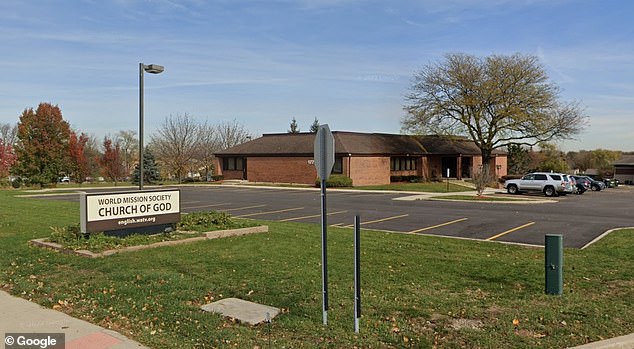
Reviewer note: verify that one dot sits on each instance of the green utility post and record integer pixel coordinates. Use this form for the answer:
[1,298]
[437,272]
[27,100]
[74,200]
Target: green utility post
[554,264]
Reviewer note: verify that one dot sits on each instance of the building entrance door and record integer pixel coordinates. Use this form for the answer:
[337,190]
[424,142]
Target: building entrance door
[450,163]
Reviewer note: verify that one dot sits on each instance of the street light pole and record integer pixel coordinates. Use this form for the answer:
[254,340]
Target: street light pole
[152,69]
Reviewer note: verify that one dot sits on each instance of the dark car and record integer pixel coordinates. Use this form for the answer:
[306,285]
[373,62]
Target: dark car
[582,184]
[611,183]
[594,184]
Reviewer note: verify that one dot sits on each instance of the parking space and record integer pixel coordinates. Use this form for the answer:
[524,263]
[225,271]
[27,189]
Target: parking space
[580,218]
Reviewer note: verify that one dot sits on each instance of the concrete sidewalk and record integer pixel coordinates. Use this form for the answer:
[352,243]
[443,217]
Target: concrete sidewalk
[21,316]
[623,342]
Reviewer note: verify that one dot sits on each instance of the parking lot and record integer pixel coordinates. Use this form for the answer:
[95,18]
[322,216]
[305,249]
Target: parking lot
[580,218]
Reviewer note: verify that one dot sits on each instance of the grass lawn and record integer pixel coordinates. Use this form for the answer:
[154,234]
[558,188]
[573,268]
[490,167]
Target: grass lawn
[430,187]
[418,291]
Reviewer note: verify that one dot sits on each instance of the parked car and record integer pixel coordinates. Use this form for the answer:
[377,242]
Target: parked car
[64,179]
[583,184]
[571,185]
[595,185]
[611,183]
[551,184]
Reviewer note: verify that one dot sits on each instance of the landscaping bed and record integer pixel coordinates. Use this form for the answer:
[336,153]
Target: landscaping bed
[137,243]
[192,227]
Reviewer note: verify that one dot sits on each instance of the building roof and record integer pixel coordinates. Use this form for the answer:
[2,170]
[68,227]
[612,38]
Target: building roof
[354,143]
[625,160]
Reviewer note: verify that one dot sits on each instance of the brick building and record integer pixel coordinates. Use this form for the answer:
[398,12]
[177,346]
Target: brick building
[367,158]
[624,169]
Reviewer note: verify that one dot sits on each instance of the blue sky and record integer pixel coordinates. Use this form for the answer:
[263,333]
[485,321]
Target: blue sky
[347,63]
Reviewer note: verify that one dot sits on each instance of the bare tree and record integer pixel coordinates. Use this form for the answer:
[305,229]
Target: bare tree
[8,134]
[231,134]
[93,156]
[176,142]
[495,101]
[208,145]
[129,145]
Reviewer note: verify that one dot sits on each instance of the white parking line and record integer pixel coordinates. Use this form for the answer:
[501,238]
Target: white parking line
[438,225]
[509,231]
[311,216]
[268,212]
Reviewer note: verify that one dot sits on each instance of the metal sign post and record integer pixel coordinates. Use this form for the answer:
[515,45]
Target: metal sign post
[357,272]
[447,179]
[324,150]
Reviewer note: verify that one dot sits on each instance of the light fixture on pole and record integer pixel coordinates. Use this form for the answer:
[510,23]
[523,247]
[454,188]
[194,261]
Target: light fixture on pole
[152,69]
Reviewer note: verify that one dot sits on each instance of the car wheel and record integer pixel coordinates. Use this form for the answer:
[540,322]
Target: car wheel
[549,191]
[512,189]
[595,188]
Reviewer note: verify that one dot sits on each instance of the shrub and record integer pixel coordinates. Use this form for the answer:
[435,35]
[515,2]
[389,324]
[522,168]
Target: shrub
[502,179]
[208,221]
[409,179]
[67,235]
[336,181]
[71,237]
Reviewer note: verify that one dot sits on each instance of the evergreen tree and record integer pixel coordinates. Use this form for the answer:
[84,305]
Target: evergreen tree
[315,126]
[294,127]
[151,172]
[519,159]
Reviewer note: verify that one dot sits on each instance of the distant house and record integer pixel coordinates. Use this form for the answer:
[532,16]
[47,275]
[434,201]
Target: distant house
[367,158]
[624,169]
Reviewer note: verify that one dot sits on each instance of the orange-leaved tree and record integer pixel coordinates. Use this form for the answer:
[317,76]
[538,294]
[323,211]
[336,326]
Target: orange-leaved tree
[111,162]
[78,161]
[42,146]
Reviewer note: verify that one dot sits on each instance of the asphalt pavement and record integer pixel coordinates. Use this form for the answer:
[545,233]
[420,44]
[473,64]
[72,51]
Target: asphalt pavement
[581,219]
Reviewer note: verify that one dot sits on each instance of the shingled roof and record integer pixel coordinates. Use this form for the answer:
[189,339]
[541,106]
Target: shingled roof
[625,160]
[355,143]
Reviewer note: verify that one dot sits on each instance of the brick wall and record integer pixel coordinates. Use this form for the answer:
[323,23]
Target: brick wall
[281,170]
[227,174]
[502,161]
[434,168]
[369,170]
[362,170]
[495,161]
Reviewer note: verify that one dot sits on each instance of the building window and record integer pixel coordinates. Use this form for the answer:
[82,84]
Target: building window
[337,168]
[232,164]
[402,164]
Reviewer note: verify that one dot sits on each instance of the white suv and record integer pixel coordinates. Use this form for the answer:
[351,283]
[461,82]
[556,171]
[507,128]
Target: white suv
[551,184]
